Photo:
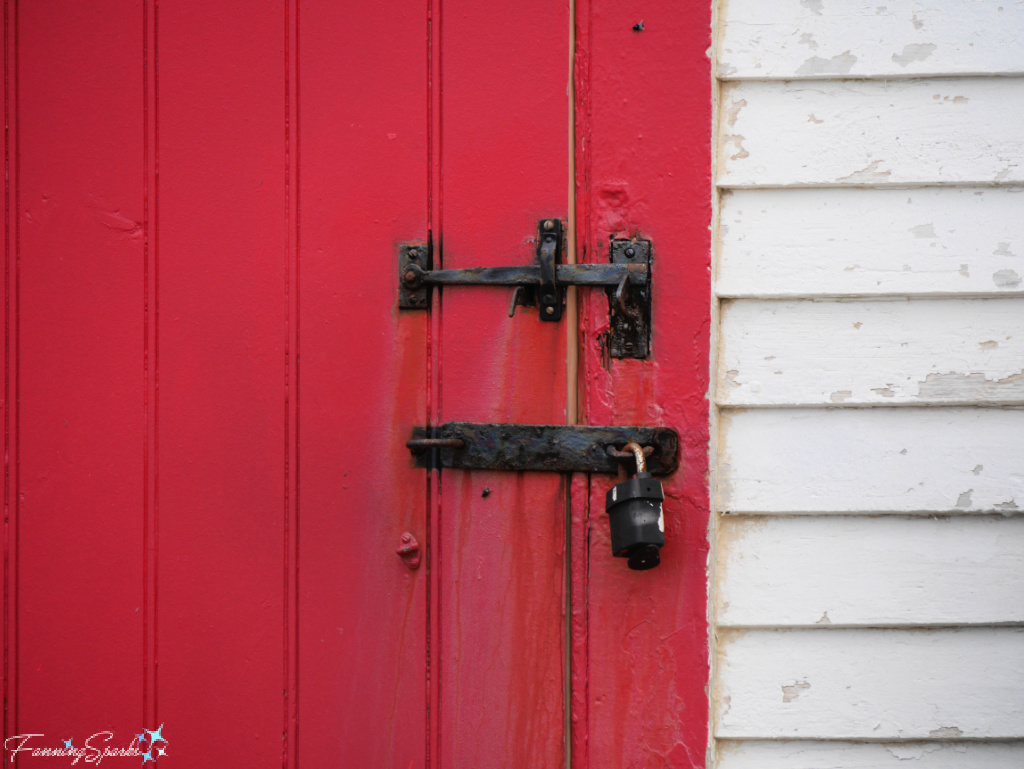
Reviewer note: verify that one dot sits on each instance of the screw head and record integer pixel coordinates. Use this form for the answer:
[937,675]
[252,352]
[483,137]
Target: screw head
[549,224]
[409,277]
[549,310]
[630,252]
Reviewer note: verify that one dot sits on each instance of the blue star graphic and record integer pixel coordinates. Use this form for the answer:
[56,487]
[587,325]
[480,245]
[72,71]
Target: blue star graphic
[148,756]
[154,736]
[68,745]
[140,737]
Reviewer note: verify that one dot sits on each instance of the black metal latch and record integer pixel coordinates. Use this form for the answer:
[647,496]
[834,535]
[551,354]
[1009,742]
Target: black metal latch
[551,448]
[627,280]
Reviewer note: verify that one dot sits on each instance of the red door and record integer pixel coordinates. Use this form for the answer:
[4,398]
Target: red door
[209,384]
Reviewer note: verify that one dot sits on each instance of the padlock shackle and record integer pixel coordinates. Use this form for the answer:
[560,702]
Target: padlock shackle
[638,453]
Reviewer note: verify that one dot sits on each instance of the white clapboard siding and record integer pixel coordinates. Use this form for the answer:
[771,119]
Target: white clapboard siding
[869,38]
[847,571]
[857,241]
[800,754]
[871,133]
[882,352]
[910,460]
[871,684]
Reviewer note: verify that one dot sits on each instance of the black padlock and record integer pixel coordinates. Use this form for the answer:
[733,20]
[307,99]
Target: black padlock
[636,517]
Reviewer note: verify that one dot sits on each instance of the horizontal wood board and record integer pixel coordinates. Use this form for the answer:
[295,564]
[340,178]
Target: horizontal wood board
[808,754]
[881,352]
[871,133]
[868,38]
[856,241]
[858,571]
[871,684]
[876,460]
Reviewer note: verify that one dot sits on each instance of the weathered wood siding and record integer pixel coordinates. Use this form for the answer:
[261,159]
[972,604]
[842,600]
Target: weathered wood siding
[868,571]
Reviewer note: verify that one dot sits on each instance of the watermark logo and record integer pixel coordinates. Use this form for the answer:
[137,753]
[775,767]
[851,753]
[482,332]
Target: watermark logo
[147,745]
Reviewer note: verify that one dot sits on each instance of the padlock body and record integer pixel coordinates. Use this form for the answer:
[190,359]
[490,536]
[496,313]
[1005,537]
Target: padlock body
[637,520]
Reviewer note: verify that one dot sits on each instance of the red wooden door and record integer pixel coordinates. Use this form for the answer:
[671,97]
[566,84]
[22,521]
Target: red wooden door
[209,384]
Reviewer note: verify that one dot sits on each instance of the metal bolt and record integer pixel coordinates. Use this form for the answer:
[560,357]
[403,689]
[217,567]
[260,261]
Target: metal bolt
[486,493]
[549,225]
[549,310]
[410,276]
[631,252]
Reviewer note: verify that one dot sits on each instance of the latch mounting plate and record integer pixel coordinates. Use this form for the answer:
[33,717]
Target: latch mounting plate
[630,305]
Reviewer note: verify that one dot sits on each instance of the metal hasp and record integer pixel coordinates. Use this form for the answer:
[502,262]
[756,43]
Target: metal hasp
[627,279]
[629,306]
[550,448]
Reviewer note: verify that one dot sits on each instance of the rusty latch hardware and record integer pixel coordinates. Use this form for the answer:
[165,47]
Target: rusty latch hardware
[627,280]
[551,448]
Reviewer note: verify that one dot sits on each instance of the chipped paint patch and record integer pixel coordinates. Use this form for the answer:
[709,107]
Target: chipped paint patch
[793,691]
[991,344]
[923,231]
[1003,249]
[868,174]
[841,396]
[946,732]
[824,620]
[840,64]
[1006,278]
[814,6]
[914,52]
[964,500]
[732,112]
[971,387]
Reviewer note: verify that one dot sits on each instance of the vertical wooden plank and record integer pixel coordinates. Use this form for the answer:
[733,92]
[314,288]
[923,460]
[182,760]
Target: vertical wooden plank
[290,618]
[151,301]
[77,291]
[363,189]
[10,391]
[223,293]
[643,133]
[503,162]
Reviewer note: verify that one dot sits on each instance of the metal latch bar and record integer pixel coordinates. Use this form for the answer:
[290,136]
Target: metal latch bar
[529,275]
[545,448]
[626,279]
